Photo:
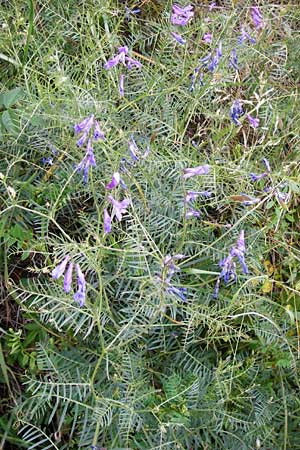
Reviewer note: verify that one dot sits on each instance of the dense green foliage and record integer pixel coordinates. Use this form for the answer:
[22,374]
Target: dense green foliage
[136,367]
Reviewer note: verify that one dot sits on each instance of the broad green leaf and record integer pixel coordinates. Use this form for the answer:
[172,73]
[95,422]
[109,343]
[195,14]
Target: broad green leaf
[10,98]
[9,121]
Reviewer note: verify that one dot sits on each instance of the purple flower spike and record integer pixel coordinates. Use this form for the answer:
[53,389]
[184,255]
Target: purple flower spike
[68,278]
[267,164]
[178,38]
[254,122]
[207,38]
[180,292]
[121,85]
[133,149]
[193,195]
[257,17]
[192,213]
[257,177]
[192,171]
[85,125]
[181,16]
[119,208]
[132,63]
[233,60]
[236,111]
[119,58]
[114,182]
[87,161]
[228,265]
[82,139]
[244,36]
[79,296]
[107,222]
[98,133]
[59,270]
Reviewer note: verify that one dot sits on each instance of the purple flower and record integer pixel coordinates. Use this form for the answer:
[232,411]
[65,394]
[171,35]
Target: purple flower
[118,58]
[239,251]
[256,17]
[192,171]
[254,122]
[215,59]
[233,60]
[82,139]
[181,16]
[244,36]
[281,196]
[169,263]
[257,177]
[122,58]
[207,37]
[236,111]
[133,149]
[205,60]
[79,296]
[68,278]
[87,161]
[85,125]
[119,208]
[114,182]
[267,164]
[192,213]
[107,222]
[132,62]
[121,85]
[193,195]
[47,160]
[59,270]
[194,77]
[180,292]
[98,133]
[228,265]
[130,12]
[212,6]
[178,38]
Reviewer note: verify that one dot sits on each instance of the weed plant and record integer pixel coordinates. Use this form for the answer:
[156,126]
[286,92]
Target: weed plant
[185,336]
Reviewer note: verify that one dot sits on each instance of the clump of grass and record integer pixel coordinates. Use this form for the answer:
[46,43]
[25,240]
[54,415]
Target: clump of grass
[152,359]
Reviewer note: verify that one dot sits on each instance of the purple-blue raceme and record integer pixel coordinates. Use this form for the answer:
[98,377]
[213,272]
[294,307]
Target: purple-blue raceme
[207,37]
[233,60]
[122,58]
[119,208]
[107,222]
[114,181]
[193,195]
[192,213]
[228,265]
[257,17]
[178,38]
[245,36]
[87,162]
[181,16]
[180,292]
[236,111]
[254,122]
[58,271]
[192,171]
[121,85]
[80,295]
[68,278]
